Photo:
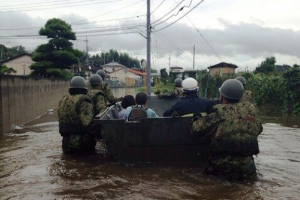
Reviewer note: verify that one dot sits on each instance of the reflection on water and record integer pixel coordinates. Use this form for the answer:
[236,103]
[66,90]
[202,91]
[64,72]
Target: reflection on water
[33,167]
[271,114]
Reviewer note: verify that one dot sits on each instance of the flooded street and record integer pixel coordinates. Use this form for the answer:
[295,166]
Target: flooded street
[33,167]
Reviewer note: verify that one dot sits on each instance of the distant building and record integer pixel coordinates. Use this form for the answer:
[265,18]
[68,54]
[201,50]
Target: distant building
[119,73]
[282,68]
[20,63]
[222,68]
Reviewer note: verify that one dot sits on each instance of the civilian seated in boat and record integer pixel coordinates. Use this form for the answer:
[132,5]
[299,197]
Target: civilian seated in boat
[139,111]
[190,103]
[127,101]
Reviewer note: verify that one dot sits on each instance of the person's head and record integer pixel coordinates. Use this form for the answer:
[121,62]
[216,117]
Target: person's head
[95,80]
[178,82]
[242,80]
[101,73]
[141,98]
[190,86]
[77,86]
[232,90]
[127,101]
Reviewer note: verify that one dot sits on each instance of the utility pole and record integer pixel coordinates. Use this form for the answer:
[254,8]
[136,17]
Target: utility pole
[194,58]
[87,51]
[169,63]
[148,89]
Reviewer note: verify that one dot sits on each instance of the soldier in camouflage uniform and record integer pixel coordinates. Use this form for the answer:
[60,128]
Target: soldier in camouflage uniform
[234,127]
[96,95]
[106,90]
[75,113]
[178,87]
[247,96]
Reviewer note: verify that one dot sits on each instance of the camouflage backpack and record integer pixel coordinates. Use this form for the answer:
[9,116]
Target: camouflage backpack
[137,113]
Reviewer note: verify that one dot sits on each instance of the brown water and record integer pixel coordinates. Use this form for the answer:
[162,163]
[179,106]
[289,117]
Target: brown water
[32,166]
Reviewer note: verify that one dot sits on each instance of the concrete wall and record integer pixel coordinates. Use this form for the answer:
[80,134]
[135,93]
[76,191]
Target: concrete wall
[23,99]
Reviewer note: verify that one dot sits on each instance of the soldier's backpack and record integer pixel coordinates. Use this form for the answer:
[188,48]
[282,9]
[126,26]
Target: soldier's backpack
[137,113]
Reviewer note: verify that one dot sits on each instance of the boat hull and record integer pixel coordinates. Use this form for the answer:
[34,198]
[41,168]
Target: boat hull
[164,139]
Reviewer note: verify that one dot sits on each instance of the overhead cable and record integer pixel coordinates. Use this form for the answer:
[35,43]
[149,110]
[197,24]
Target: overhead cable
[174,14]
[180,17]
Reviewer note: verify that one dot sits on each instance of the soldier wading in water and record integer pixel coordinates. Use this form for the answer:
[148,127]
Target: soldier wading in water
[75,113]
[234,127]
[106,90]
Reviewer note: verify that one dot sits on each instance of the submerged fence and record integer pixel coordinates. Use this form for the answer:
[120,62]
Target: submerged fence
[23,99]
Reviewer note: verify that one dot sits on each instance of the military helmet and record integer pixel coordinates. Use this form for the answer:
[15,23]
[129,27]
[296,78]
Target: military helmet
[190,85]
[241,79]
[232,89]
[101,73]
[178,82]
[95,79]
[78,82]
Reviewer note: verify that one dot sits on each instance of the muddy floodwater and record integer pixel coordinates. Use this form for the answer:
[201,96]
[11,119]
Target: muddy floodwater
[32,166]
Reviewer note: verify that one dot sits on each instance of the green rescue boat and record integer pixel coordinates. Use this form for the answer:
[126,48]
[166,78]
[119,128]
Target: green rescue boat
[164,139]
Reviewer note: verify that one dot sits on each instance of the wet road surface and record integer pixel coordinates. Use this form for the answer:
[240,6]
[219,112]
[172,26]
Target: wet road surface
[32,166]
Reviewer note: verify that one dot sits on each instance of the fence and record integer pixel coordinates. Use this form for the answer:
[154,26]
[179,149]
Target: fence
[23,99]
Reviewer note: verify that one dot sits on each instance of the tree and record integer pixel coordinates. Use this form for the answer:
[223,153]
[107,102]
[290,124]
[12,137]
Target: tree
[267,66]
[6,52]
[6,70]
[55,58]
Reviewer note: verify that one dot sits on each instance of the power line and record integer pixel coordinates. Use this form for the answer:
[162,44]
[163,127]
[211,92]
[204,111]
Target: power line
[49,3]
[47,8]
[205,40]
[180,17]
[118,19]
[157,7]
[175,47]
[26,28]
[74,23]
[172,9]
[173,14]
[108,34]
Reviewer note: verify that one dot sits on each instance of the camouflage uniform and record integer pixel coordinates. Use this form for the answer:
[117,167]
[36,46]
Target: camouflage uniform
[98,100]
[234,129]
[178,91]
[108,94]
[75,114]
[247,96]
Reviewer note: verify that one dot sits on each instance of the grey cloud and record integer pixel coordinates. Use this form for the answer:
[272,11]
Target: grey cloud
[235,39]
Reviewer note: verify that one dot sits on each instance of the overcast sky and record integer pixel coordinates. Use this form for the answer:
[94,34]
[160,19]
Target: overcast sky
[242,32]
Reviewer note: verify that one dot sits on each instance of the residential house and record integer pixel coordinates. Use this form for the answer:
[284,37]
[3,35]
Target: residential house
[20,63]
[119,73]
[222,68]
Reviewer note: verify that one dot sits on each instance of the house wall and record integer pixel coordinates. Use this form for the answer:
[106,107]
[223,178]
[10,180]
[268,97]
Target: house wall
[222,70]
[23,99]
[120,75]
[21,65]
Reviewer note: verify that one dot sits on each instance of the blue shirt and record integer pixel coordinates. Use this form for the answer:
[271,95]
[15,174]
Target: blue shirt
[150,113]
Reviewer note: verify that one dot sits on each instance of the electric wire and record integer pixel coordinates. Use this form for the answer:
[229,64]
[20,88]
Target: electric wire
[172,9]
[173,14]
[49,7]
[205,40]
[175,47]
[180,17]
[157,7]
[50,3]
[76,22]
